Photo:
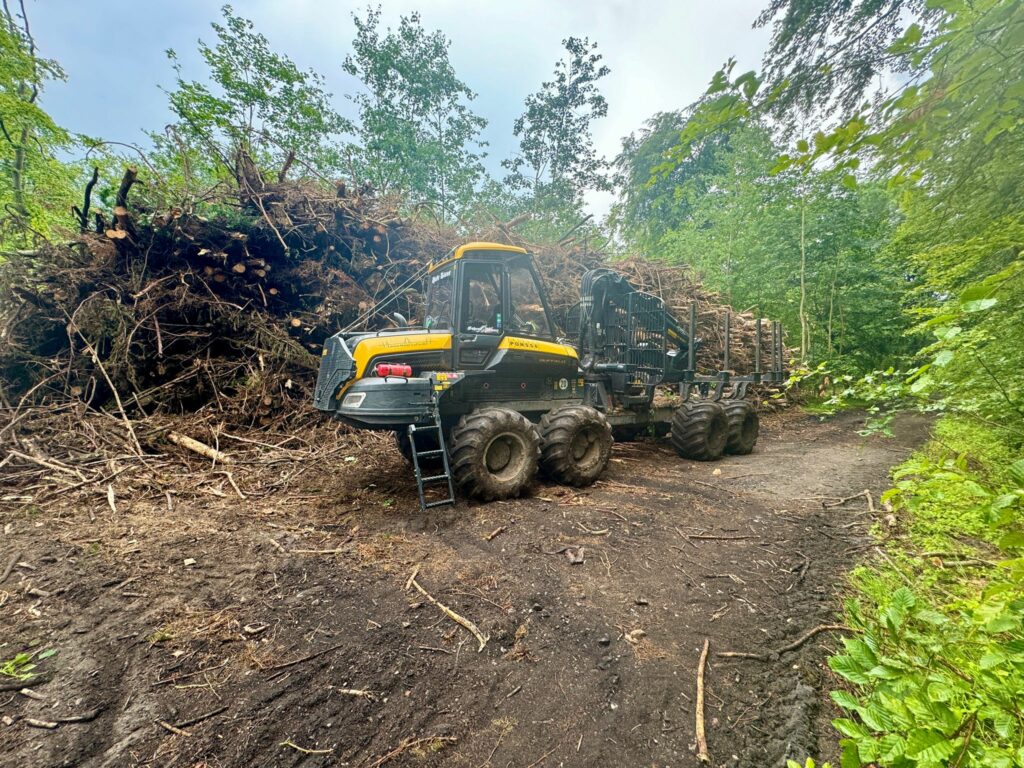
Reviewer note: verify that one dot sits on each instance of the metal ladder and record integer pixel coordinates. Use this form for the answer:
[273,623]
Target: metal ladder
[441,451]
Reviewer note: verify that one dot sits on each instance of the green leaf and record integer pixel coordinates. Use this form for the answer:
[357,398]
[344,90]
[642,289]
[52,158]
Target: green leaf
[1012,540]
[979,305]
[845,700]
[929,746]
[944,358]
[1017,472]
[849,758]
[850,728]
[847,668]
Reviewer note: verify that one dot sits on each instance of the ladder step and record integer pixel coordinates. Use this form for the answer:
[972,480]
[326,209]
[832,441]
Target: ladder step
[439,503]
[434,478]
[421,454]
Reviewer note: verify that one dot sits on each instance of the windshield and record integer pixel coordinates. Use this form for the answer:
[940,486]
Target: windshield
[528,315]
[438,315]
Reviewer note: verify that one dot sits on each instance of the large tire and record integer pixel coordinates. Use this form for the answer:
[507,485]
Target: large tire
[494,454]
[700,430]
[743,427]
[576,443]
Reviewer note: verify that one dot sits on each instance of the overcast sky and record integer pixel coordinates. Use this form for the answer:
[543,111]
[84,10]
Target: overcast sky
[661,54]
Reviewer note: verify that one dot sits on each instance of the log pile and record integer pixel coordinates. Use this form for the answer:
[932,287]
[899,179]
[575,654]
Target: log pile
[176,312]
[168,312]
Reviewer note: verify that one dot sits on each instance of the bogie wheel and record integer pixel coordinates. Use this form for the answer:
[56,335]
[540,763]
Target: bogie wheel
[576,443]
[494,454]
[700,430]
[743,427]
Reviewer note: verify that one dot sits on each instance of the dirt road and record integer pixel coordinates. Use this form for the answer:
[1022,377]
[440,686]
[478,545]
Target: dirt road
[278,629]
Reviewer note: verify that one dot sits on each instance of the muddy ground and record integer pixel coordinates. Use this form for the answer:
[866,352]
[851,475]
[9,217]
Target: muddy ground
[207,629]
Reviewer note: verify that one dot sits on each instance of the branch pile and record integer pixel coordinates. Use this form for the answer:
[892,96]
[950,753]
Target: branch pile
[153,311]
[178,313]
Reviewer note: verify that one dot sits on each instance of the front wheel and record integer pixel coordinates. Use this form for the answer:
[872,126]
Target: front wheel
[700,430]
[494,454]
[576,443]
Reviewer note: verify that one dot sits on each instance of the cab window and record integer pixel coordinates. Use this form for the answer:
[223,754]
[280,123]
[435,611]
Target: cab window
[482,299]
[527,316]
[438,313]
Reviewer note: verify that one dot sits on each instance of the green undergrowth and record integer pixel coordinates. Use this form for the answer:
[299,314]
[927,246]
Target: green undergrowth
[933,674]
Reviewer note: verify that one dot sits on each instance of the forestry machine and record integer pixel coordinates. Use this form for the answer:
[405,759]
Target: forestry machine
[483,394]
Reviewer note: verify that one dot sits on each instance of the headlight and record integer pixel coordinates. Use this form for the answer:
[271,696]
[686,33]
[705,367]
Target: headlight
[353,400]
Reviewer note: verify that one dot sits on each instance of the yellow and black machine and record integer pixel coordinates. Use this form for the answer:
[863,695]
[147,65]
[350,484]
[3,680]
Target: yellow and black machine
[485,393]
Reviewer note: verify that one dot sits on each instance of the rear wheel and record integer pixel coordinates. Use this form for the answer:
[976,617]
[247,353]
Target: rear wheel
[576,443]
[700,430]
[494,454]
[743,427]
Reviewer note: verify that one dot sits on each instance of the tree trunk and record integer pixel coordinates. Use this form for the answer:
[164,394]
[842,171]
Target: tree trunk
[831,307]
[805,330]
[18,175]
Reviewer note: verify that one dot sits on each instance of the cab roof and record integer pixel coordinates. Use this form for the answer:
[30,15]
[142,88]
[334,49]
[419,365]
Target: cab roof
[462,250]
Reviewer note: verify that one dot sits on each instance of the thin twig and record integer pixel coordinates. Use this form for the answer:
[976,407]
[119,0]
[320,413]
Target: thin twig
[702,740]
[481,638]
[769,655]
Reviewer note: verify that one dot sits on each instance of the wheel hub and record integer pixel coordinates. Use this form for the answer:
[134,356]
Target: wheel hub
[504,455]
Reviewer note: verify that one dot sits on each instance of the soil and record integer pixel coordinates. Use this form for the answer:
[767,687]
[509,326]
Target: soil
[206,629]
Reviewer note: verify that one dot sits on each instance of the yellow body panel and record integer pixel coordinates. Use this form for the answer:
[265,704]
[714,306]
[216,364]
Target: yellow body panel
[535,345]
[367,349]
[479,246]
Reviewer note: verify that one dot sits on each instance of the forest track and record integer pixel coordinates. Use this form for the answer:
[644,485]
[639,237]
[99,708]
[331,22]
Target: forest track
[281,630]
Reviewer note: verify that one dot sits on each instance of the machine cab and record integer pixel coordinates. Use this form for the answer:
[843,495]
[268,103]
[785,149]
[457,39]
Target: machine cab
[486,295]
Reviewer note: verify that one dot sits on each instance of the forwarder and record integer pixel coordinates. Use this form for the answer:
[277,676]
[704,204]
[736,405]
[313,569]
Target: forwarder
[483,393]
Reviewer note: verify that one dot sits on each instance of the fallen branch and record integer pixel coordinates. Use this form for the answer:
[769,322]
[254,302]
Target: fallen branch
[356,692]
[303,659]
[839,502]
[291,744]
[171,729]
[17,685]
[712,537]
[10,567]
[199,718]
[481,638]
[202,449]
[409,744]
[769,655]
[493,534]
[702,740]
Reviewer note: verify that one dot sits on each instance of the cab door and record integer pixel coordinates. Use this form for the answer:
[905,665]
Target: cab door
[481,315]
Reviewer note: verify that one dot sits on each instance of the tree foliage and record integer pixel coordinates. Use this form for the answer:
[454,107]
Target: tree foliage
[557,162]
[417,132]
[36,189]
[253,105]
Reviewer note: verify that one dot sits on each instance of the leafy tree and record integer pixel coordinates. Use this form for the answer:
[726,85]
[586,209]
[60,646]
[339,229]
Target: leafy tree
[257,107]
[825,56]
[36,193]
[800,245]
[417,131]
[650,204]
[557,162]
